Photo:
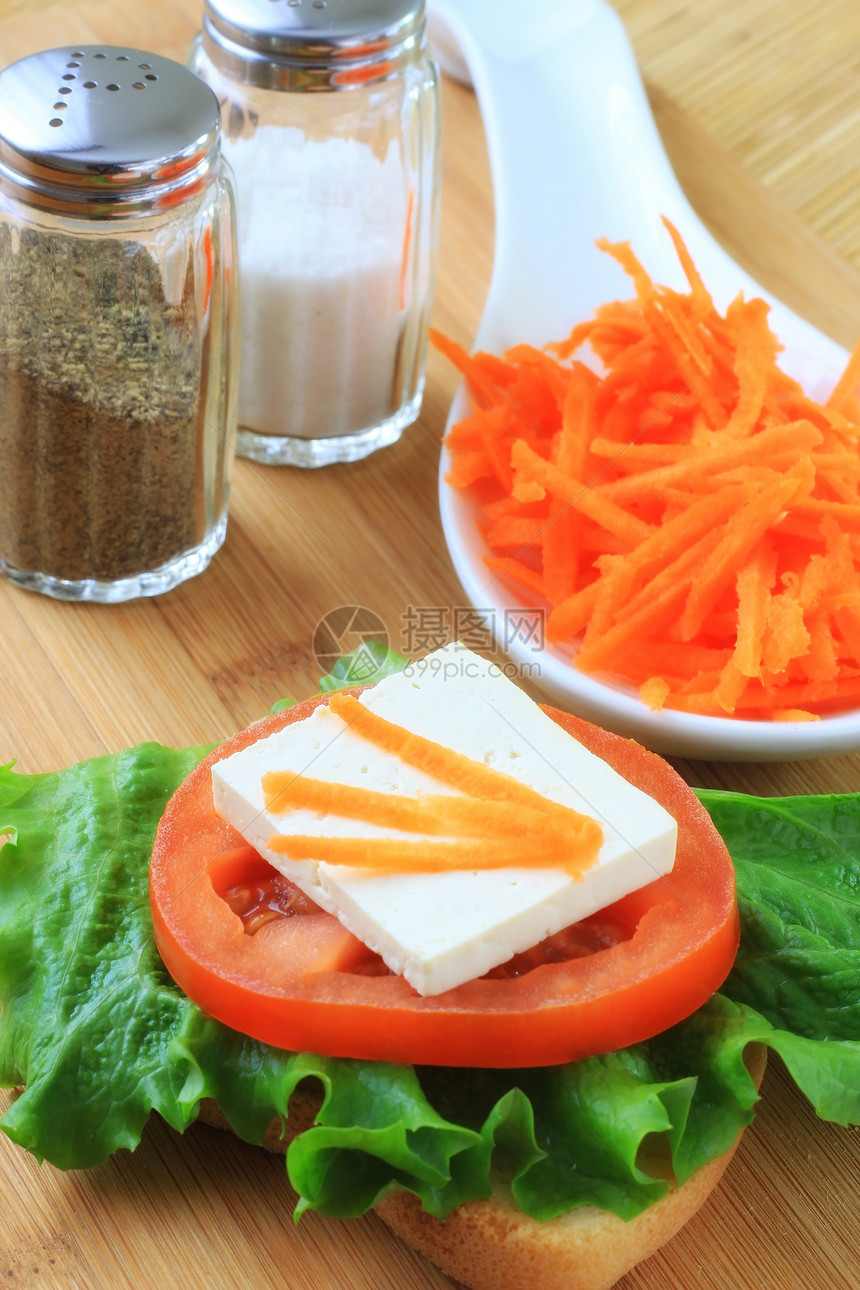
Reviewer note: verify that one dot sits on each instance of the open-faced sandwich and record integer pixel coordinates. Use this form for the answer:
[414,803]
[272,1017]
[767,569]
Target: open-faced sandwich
[470,961]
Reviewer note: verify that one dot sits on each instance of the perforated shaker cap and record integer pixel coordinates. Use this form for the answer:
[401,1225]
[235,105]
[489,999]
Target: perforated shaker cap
[312,44]
[101,131]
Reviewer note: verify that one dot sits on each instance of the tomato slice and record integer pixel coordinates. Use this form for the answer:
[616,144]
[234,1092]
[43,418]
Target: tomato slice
[303,983]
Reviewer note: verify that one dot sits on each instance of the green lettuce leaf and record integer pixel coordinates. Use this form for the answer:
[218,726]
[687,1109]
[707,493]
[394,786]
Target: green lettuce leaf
[95,1030]
[797,861]
[370,663]
[87,1007]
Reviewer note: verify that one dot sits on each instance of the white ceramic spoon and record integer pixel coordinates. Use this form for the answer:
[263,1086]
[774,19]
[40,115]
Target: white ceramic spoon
[575,155]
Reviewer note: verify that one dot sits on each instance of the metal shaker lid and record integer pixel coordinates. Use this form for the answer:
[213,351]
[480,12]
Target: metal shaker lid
[311,44]
[101,131]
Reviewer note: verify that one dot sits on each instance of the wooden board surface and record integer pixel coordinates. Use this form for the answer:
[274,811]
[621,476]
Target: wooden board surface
[208,658]
[777,83]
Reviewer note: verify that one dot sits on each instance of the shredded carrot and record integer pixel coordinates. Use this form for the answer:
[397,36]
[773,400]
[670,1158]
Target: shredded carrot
[494,821]
[689,514]
[390,855]
[571,492]
[654,692]
[518,571]
[431,813]
[754,582]
[458,771]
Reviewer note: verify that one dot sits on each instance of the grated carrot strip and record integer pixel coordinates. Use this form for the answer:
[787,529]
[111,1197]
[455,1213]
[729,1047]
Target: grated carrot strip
[577,338]
[557,378]
[429,813]
[654,692]
[468,467]
[743,532]
[613,589]
[730,687]
[657,613]
[846,515]
[574,493]
[848,622]
[754,583]
[679,571]
[791,695]
[513,506]
[518,571]
[493,423]
[517,531]
[701,298]
[677,661]
[390,855]
[688,369]
[837,479]
[790,440]
[486,390]
[570,617]
[820,662]
[465,436]
[690,407]
[623,253]
[561,552]
[453,768]
[671,306]
[756,355]
[578,422]
[561,540]
[649,454]
[703,515]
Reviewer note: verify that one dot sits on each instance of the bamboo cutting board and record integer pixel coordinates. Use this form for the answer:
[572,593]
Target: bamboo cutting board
[207,1211]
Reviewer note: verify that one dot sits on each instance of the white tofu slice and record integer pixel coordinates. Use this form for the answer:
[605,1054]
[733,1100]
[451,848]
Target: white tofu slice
[439,930]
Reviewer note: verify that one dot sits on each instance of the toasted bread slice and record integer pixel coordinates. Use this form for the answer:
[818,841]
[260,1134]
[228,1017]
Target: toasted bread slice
[492,1245]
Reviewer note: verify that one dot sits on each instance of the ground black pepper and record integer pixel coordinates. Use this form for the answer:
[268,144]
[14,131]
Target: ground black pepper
[100,381]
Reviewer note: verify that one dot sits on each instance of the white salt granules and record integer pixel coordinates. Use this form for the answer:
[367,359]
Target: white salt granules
[322,236]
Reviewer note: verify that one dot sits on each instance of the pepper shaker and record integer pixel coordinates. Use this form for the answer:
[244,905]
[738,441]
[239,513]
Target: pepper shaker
[117,365]
[331,125]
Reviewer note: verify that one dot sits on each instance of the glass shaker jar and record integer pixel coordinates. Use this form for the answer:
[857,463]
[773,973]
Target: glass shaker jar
[117,368]
[331,125]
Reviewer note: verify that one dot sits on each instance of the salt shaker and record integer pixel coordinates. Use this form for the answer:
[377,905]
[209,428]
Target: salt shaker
[118,290]
[331,125]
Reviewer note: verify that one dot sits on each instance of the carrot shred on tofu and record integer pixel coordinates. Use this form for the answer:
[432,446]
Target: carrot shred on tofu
[391,855]
[453,768]
[493,821]
[430,813]
[679,491]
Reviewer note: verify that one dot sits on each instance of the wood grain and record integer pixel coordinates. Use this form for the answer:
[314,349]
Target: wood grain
[776,83]
[213,655]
